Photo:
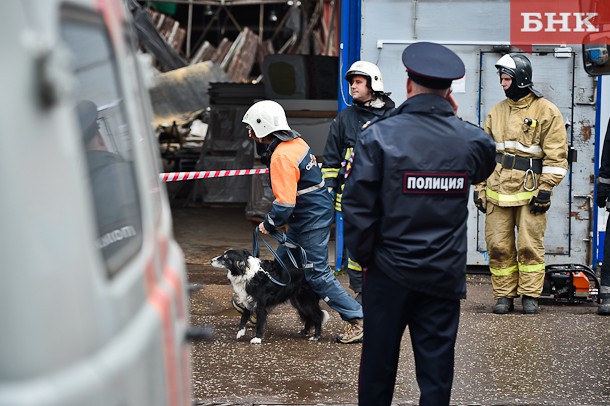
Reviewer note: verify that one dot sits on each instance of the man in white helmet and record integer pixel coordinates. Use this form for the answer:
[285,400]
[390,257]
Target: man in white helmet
[303,205]
[531,147]
[370,103]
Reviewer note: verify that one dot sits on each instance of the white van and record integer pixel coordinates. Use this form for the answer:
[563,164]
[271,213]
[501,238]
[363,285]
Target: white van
[93,300]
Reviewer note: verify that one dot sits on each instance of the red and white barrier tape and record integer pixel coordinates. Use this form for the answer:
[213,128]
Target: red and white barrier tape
[178,176]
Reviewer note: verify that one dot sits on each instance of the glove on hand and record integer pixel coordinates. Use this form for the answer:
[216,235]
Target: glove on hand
[603,190]
[480,200]
[541,203]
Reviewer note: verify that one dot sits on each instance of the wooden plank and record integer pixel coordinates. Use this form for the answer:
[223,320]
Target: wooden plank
[204,53]
[221,51]
[243,59]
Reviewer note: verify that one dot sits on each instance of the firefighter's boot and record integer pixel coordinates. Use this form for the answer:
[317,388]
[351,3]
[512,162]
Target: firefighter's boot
[504,305]
[603,309]
[530,305]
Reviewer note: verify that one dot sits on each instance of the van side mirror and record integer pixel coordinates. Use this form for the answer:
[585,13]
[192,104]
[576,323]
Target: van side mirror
[595,53]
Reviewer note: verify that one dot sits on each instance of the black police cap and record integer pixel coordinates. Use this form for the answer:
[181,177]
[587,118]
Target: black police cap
[432,65]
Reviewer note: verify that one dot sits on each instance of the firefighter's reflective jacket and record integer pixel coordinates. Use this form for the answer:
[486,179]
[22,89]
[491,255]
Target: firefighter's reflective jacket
[531,147]
[405,204]
[301,198]
[342,136]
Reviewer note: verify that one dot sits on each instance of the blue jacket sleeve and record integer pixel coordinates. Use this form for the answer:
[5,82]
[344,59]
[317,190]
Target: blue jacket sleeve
[285,174]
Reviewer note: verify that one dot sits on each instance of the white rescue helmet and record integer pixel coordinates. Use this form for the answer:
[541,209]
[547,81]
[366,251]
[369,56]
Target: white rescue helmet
[265,117]
[369,70]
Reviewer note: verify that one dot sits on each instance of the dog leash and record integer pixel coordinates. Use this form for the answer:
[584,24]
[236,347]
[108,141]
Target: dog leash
[283,240]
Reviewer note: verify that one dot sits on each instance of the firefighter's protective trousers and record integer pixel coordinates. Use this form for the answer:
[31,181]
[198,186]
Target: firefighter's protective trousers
[516,269]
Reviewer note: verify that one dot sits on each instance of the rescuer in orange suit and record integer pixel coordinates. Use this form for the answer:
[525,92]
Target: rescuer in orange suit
[302,205]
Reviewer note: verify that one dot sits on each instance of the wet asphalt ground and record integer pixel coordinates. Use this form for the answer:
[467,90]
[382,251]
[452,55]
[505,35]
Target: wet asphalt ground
[558,357]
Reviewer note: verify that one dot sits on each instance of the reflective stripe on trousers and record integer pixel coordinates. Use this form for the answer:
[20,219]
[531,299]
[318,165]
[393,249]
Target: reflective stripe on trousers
[515,271]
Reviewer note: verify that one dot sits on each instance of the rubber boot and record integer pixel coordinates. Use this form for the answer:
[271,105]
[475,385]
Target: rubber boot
[530,305]
[603,309]
[504,305]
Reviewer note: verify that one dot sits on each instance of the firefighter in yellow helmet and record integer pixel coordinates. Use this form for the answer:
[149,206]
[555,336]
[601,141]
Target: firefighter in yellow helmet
[531,147]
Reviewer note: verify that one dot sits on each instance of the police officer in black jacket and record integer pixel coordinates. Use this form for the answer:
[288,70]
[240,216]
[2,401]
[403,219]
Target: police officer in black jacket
[405,212]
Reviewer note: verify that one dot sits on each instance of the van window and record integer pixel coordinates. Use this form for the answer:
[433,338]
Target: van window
[107,140]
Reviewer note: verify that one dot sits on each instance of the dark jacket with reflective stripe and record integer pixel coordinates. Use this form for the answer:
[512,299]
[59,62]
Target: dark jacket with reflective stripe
[344,130]
[302,201]
[405,200]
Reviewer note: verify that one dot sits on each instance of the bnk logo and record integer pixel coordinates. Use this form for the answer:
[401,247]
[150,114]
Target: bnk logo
[558,22]
[555,21]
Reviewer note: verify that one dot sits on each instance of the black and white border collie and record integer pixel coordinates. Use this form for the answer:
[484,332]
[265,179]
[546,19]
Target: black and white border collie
[259,294]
